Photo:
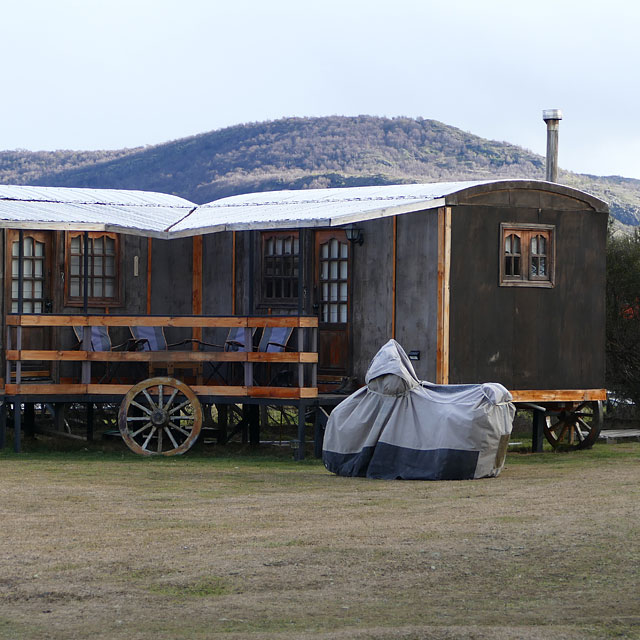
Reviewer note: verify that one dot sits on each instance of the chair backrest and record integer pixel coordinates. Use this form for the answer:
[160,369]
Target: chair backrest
[235,340]
[100,340]
[152,337]
[273,338]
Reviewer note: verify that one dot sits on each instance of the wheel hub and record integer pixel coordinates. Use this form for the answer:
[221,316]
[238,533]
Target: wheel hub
[159,417]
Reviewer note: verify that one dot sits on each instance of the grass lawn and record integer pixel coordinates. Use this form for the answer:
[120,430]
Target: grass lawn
[237,544]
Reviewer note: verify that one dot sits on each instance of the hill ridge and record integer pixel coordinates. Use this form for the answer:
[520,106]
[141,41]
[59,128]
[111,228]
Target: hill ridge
[303,153]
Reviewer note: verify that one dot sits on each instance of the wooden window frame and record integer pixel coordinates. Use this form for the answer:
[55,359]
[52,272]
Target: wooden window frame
[325,238]
[526,232]
[94,301]
[37,236]
[272,301]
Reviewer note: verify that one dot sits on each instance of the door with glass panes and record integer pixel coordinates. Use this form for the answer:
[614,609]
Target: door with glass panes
[332,272]
[37,263]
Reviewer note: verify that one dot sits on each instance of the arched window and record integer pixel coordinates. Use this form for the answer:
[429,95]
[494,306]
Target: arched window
[527,255]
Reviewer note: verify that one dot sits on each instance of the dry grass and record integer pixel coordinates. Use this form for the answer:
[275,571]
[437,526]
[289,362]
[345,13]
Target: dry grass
[111,546]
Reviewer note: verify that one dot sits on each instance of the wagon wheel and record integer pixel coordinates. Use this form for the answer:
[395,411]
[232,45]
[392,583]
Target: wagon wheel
[160,416]
[573,425]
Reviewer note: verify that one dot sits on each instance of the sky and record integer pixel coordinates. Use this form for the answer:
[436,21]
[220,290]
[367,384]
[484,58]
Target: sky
[110,74]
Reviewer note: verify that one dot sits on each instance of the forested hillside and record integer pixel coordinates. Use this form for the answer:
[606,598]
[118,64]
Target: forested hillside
[300,153]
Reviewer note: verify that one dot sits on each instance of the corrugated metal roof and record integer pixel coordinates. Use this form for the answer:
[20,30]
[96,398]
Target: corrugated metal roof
[165,216]
[315,207]
[142,212]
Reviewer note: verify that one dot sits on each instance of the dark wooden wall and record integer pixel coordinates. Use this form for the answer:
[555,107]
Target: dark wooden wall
[371,294]
[417,288]
[527,337]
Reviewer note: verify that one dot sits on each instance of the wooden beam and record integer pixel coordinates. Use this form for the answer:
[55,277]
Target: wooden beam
[558,395]
[233,273]
[122,389]
[50,320]
[31,355]
[444,274]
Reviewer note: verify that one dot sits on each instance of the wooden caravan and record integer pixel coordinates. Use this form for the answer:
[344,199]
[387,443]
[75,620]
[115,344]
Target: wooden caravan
[479,281]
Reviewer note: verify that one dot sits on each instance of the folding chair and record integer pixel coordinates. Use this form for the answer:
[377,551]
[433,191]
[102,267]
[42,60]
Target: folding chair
[100,340]
[275,340]
[235,342]
[153,339]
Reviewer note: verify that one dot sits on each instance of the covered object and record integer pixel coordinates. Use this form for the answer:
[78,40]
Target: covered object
[400,427]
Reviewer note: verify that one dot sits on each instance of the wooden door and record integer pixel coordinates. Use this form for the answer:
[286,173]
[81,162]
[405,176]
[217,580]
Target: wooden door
[332,286]
[37,263]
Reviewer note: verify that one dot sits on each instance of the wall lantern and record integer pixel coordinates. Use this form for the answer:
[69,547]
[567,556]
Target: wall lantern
[355,235]
[414,355]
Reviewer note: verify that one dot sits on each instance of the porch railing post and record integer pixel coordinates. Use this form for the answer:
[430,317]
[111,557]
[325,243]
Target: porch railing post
[8,363]
[300,350]
[86,346]
[248,366]
[314,349]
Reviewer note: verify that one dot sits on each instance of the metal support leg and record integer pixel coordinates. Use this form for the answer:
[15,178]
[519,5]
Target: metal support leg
[319,423]
[254,424]
[302,425]
[89,421]
[3,424]
[16,427]
[537,435]
[29,420]
[223,422]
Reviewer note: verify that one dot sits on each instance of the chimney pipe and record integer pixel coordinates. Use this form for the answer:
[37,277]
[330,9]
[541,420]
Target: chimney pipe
[552,117]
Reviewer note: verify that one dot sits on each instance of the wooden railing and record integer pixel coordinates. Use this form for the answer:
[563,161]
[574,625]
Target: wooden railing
[306,328]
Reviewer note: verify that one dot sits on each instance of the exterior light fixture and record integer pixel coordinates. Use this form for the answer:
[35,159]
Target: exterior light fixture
[354,234]
[414,355]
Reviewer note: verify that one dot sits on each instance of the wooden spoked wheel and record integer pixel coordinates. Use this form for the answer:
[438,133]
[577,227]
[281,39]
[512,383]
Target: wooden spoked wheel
[573,425]
[160,416]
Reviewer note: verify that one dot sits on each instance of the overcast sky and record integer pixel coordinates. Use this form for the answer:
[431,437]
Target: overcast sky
[108,74]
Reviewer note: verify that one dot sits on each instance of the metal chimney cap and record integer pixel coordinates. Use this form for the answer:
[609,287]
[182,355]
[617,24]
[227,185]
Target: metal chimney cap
[551,114]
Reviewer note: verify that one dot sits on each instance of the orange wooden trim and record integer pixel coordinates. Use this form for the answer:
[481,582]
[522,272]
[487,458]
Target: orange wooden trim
[196,308]
[444,274]
[394,277]
[292,393]
[30,355]
[291,356]
[558,395]
[220,390]
[138,356]
[149,265]
[47,320]
[286,321]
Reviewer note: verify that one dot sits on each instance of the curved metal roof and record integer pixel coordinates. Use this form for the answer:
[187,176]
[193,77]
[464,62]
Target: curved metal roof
[165,216]
[138,212]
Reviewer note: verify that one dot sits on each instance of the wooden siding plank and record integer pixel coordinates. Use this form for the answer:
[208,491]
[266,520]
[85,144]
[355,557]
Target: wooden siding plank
[196,271]
[444,277]
[558,395]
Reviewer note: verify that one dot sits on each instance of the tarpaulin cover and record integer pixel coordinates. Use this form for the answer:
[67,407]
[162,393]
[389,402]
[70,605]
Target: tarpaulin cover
[400,427]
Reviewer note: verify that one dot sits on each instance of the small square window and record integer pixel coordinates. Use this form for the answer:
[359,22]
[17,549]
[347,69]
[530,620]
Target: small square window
[527,255]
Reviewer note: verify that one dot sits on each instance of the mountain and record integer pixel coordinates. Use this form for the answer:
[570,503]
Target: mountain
[302,153]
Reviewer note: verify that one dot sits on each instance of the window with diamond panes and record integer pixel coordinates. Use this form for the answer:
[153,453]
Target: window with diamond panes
[33,276]
[280,253]
[103,283]
[334,272]
[527,255]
